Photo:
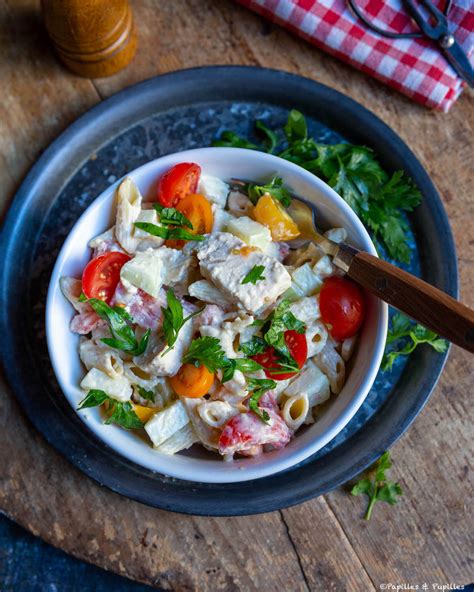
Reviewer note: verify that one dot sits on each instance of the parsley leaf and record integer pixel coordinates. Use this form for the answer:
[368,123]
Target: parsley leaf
[379,199]
[120,413]
[229,139]
[118,319]
[254,275]
[270,137]
[206,351]
[93,398]
[274,188]
[173,319]
[171,216]
[378,488]
[255,346]
[259,386]
[407,336]
[245,365]
[281,320]
[147,395]
[168,233]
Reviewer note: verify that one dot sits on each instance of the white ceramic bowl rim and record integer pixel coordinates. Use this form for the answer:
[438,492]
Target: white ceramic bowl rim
[66,364]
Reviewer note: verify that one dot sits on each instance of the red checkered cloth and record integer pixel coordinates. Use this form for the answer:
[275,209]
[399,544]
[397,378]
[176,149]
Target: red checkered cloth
[415,67]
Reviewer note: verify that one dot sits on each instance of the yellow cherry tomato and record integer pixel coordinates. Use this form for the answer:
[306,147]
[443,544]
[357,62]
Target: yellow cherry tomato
[198,211]
[191,381]
[144,413]
[273,215]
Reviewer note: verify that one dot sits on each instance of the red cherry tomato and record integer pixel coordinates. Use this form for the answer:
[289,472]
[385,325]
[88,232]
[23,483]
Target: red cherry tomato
[342,306]
[179,181]
[102,274]
[298,346]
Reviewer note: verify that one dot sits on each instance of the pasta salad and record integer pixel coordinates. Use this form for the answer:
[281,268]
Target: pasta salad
[201,321]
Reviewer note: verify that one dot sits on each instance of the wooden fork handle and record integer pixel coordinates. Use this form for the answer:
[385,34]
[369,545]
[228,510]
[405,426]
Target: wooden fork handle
[421,301]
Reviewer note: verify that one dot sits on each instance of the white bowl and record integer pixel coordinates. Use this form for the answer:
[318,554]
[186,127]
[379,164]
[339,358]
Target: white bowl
[196,465]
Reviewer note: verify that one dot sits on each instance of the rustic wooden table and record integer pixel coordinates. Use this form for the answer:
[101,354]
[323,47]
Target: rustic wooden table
[323,544]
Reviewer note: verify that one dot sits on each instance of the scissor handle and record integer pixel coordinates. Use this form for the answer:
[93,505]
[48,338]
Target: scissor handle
[433,31]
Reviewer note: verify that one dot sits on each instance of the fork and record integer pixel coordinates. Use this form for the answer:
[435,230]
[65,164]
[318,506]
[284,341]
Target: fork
[421,301]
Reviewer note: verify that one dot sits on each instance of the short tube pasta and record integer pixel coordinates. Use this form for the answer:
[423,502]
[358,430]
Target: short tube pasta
[295,410]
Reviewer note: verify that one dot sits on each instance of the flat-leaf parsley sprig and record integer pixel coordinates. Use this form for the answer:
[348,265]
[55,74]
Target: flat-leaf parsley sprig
[258,387]
[172,225]
[380,200]
[376,486]
[407,332]
[119,321]
[173,319]
[254,275]
[119,412]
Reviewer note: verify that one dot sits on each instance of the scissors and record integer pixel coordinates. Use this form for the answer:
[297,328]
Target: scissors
[435,27]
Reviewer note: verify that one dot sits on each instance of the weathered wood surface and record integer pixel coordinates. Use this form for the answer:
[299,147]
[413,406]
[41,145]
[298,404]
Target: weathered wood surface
[323,544]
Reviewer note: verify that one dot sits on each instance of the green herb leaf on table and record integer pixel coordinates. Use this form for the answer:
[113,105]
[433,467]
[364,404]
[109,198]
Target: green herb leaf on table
[168,233]
[376,485]
[229,139]
[404,336]
[379,199]
[270,137]
[254,275]
[259,386]
[118,319]
[147,395]
[120,413]
[173,319]
[274,188]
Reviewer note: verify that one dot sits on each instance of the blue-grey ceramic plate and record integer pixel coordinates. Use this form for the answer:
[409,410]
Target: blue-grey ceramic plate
[166,114]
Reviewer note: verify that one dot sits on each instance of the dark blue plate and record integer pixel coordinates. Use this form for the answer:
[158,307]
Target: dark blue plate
[169,113]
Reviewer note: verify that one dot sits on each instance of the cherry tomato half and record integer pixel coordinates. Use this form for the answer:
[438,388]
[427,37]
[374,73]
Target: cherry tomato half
[342,306]
[102,274]
[179,181]
[198,211]
[298,346]
[191,381]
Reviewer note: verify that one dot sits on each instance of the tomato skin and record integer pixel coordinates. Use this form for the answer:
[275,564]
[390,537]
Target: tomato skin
[342,306]
[298,346]
[102,274]
[192,381]
[179,181]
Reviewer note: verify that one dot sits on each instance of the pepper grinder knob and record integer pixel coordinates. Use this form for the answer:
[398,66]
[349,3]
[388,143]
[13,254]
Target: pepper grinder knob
[94,38]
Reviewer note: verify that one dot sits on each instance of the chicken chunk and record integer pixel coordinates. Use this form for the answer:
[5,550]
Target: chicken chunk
[225,260]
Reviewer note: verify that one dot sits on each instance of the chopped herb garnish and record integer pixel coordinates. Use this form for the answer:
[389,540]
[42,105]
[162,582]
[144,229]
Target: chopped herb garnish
[254,275]
[259,386]
[245,365]
[171,216]
[168,233]
[206,351]
[119,321]
[120,413]
[147,395]
[173,319]
[380,200]
[255,346]
[274,188]
[376,486]
[404,336]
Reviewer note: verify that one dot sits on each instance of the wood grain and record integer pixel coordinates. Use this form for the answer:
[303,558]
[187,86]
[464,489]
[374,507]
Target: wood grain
[323,544]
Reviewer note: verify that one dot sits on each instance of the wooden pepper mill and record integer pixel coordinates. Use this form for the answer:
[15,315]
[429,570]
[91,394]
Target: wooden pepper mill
[94,38]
